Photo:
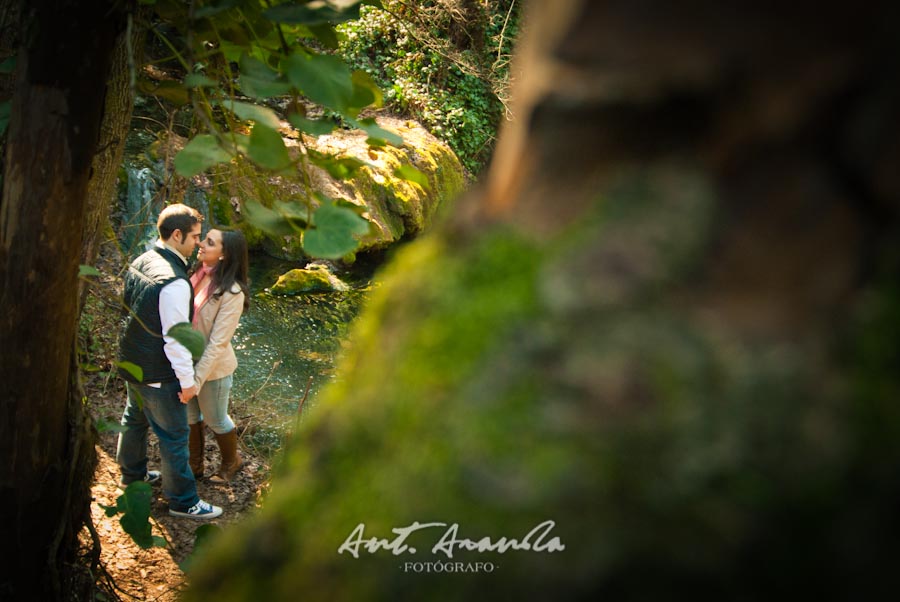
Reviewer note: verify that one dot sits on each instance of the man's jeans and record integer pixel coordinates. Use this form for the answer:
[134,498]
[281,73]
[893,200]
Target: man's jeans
[168,417]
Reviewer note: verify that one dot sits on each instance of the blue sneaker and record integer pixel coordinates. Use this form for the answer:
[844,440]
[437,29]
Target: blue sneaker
[151,477]
[201,511]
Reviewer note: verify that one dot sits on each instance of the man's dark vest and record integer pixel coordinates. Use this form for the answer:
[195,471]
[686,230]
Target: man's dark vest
[142,343]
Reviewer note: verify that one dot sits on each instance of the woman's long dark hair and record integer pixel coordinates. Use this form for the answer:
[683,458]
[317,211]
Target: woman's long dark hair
[234,267]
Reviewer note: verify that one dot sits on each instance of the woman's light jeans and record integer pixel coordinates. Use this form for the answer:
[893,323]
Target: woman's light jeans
[211,405]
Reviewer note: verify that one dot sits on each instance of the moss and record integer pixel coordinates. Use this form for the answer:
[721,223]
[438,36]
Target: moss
[395,207]
[314,279]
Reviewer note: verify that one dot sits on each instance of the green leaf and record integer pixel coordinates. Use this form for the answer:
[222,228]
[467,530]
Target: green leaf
[87,270]
[267,148]
[333,235]
[341,168]
[172,91]
[133,369]
[325,33]
[267,220]
[109,426]
[198,80]
[138,398]
[259,80]
[134,504]
[365,91]
[376,132]
[314,127]
[190,338]
[297,214]
[198,155]
[411,174]
[251,112]
[324,79]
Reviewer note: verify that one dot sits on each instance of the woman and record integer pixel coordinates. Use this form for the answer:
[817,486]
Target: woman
[220,296]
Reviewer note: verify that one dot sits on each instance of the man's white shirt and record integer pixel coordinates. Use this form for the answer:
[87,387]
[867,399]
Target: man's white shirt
[174,308]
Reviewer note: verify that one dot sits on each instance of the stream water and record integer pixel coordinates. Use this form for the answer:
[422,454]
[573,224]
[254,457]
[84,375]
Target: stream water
[286,345]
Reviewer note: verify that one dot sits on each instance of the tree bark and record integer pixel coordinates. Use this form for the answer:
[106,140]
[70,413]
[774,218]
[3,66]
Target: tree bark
[57,110]
[117,112]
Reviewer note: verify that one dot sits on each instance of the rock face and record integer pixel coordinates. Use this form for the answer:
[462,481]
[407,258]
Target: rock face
[312,279]
[668,324]
[395,208]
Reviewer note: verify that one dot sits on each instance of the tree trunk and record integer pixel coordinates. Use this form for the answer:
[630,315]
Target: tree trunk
[101,193]
[57,111]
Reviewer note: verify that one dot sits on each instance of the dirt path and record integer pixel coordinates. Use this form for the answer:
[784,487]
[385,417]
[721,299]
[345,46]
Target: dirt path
[131,573]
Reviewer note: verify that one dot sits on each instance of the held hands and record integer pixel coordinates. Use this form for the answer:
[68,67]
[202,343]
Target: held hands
[185,395]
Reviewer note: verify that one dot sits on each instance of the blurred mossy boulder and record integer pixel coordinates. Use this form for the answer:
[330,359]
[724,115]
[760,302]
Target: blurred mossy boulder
[663,333]
[314,278]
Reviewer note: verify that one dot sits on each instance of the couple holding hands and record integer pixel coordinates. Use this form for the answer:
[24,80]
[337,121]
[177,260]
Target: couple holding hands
[174,396]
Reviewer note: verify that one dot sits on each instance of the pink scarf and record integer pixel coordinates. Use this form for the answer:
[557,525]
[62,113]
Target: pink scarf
[200,297]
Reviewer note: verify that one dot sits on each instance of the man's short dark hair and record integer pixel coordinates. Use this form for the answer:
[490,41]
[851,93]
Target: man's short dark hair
[177,217]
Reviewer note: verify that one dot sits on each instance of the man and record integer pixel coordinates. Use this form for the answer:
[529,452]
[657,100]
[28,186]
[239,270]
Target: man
[158,295]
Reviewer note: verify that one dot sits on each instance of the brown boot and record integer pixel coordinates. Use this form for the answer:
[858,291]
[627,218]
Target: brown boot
[231,457]
[195,448]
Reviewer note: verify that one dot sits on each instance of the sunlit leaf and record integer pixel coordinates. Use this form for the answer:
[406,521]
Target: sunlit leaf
[172,91]
[198,155]
[333,235]
[324,79]
[411,174]
[267,148]
[251,112]
[266,219]
[87,270]
[365,91]
[192,340]
[377,132]
[133,369]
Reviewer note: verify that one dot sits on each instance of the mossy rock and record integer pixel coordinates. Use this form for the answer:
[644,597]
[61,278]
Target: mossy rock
[312,279]
[394,207]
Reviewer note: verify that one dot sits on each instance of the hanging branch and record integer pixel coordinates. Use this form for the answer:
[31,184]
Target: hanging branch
[305,395]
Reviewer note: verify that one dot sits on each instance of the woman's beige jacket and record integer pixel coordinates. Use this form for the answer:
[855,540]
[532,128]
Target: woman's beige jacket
[217,319]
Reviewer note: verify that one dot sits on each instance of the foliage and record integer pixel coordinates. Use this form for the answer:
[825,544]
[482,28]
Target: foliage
[238,64]
[444,64]
[192,339]
[134,506]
